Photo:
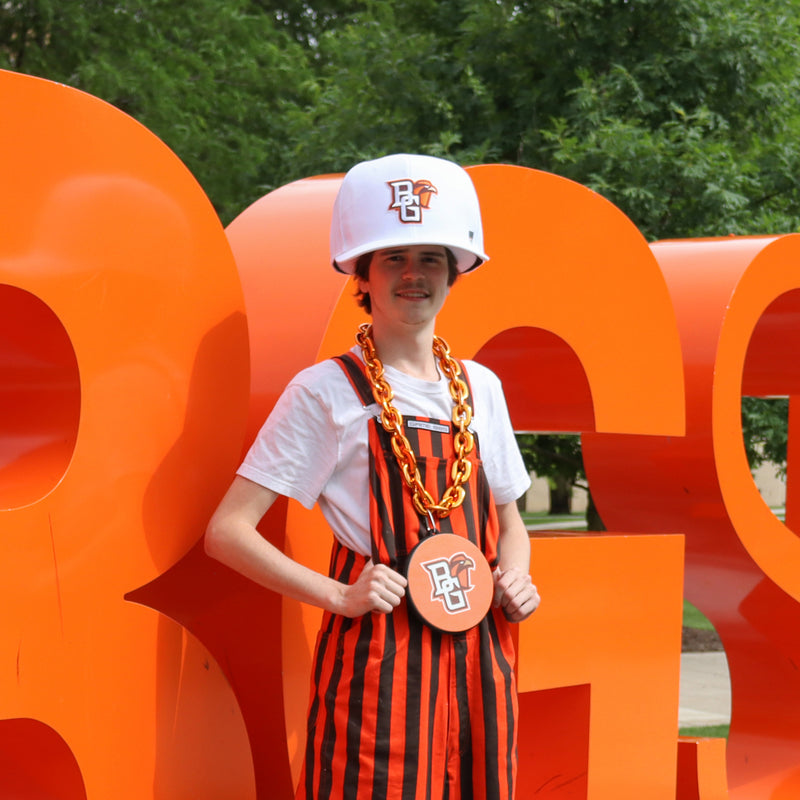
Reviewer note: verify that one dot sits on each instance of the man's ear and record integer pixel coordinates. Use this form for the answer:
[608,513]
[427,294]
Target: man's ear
[363,285]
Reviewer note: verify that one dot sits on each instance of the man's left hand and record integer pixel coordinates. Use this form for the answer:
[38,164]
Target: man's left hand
[515,593]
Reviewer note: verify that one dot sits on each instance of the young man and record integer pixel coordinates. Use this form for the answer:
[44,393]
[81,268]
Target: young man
[386,439]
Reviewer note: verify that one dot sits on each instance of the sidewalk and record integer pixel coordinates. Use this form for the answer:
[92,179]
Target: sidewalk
[705,695]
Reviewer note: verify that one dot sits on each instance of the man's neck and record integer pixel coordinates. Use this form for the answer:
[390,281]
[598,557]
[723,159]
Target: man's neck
[408,350]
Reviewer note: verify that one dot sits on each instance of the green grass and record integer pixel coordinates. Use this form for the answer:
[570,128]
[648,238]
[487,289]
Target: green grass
[692,618]
[543,516]
[707,732]
[542,520]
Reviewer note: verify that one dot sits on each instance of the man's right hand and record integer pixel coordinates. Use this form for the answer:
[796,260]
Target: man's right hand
[377,588]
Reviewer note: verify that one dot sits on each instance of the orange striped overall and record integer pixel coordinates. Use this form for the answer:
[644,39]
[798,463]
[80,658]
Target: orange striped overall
[400,711]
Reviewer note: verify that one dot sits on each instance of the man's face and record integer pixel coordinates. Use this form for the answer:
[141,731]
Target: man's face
[407,284]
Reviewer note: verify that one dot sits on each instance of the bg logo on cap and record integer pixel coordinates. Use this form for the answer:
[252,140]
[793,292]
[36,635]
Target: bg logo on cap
[410,197]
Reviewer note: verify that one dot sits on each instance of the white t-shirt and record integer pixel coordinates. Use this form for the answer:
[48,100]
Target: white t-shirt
[314,445]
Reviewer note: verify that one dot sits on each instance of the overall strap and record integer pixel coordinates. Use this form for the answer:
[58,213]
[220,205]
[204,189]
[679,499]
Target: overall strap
[354,370]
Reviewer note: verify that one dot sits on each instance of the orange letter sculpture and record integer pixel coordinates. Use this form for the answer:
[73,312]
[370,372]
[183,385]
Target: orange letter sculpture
[123,385]
[738,308]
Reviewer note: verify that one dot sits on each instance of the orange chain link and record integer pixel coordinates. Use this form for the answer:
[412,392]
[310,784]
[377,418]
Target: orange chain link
[392,421]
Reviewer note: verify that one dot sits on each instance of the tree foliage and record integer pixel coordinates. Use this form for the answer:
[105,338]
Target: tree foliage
[682,112]
[214,80]
[766,423]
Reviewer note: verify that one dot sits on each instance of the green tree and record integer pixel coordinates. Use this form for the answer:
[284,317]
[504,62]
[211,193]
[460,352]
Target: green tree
[558,459]
[765,421]
[682,112]
[384,81]
[666,107]
[214,80]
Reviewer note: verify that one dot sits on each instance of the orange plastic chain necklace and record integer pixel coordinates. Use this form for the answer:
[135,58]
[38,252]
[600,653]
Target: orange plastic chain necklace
[392,422]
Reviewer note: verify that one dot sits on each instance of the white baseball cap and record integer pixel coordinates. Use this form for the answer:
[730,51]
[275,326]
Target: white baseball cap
[403,200]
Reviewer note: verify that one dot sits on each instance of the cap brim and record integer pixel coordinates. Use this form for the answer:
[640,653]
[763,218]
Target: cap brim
[466,260]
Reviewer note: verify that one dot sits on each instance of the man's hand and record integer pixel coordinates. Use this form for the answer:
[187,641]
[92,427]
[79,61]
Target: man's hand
[515,593]
[377,588]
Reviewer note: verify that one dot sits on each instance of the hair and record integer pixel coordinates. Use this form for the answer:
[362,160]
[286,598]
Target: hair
[361,273]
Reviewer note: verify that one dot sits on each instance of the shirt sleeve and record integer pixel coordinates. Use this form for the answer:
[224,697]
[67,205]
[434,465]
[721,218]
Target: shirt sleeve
[502,461]
[296,450]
